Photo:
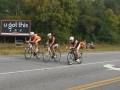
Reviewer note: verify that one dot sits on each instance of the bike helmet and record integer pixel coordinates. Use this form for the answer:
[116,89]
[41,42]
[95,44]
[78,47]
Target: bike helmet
[49,34]
[71,38]
[31,33]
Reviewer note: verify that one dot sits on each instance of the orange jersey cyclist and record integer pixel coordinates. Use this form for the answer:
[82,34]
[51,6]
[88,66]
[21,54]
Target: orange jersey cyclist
[52,42]
[73,43]
[34,38]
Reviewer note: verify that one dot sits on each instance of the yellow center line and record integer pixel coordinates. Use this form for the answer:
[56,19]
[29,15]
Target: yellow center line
[95,84]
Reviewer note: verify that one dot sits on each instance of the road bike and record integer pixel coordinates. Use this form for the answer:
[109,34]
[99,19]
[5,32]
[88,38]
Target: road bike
[47,54]
[29,51]
[71,57]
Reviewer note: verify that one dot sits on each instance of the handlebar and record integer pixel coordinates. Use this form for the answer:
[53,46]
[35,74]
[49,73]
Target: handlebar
[28,42]
[46,45]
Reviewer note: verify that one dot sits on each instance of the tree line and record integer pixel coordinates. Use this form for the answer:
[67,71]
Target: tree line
[92,20]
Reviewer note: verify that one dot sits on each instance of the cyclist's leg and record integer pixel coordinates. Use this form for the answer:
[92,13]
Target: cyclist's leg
[56,46]
[36,44]
[77,50]
[33,45]
[53,48]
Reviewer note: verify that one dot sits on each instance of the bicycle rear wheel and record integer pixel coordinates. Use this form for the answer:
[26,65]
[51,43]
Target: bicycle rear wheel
[70,58]
[80,58]
[28,53]
[39,53]
[46,56]
[57,56]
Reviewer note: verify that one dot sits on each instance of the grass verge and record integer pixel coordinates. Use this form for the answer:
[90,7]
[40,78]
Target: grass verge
[11,49]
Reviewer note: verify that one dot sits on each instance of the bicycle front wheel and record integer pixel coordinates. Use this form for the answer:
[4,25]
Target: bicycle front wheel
[28,53]
[46,56]
[70,58]
[57,56]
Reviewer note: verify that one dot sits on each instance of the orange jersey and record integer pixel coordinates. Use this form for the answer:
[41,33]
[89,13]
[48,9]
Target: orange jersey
[36,37]
[81,43]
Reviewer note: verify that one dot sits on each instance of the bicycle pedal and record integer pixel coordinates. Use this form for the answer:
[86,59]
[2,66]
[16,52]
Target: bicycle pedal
[34,54]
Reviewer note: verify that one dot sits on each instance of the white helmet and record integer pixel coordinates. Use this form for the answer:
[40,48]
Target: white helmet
[71,38]
[49,34]
[31,33]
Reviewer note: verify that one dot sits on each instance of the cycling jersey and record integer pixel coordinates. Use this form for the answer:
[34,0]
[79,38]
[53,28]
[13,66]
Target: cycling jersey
[35,37]
[81,43]
[73,43]
[51,40]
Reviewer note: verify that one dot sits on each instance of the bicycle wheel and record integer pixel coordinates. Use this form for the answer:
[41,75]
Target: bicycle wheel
[46,56]
[39,53]
[28,53]
[70,58]
[57,56]
[80,58]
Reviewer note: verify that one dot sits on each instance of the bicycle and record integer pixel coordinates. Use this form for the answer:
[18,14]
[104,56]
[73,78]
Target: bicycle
[71,57]
[29,51]
[47,54]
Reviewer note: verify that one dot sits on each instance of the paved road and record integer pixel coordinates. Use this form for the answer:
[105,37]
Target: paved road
[99,71]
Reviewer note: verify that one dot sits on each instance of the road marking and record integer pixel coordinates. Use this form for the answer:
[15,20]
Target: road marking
[95,84]
[111,67]
[95,53]
[41,69]
[100,52]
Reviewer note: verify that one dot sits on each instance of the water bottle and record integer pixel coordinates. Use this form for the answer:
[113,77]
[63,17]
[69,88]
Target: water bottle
[36,50]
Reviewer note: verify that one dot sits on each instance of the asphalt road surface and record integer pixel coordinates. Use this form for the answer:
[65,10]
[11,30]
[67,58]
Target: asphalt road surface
[99,71]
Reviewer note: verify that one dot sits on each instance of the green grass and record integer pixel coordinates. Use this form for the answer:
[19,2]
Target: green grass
[11,49]
[106,47]
[98,47]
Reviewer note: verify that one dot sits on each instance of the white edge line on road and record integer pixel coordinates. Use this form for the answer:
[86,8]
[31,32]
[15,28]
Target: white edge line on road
[89,53]
[15,72]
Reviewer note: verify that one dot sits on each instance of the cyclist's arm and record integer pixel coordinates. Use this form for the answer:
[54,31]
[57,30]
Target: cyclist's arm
[75,44]
[47,41]
[30,39]
[34,39]
[70,45]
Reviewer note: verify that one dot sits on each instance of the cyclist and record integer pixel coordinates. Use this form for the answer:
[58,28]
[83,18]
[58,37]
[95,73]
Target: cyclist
[73,43]
[83,44]
[52,42]
[34,39]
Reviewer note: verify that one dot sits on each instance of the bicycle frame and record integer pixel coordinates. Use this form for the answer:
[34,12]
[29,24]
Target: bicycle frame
[71,58]
[49,55]
[30,46]
[49,49]
[73,51]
